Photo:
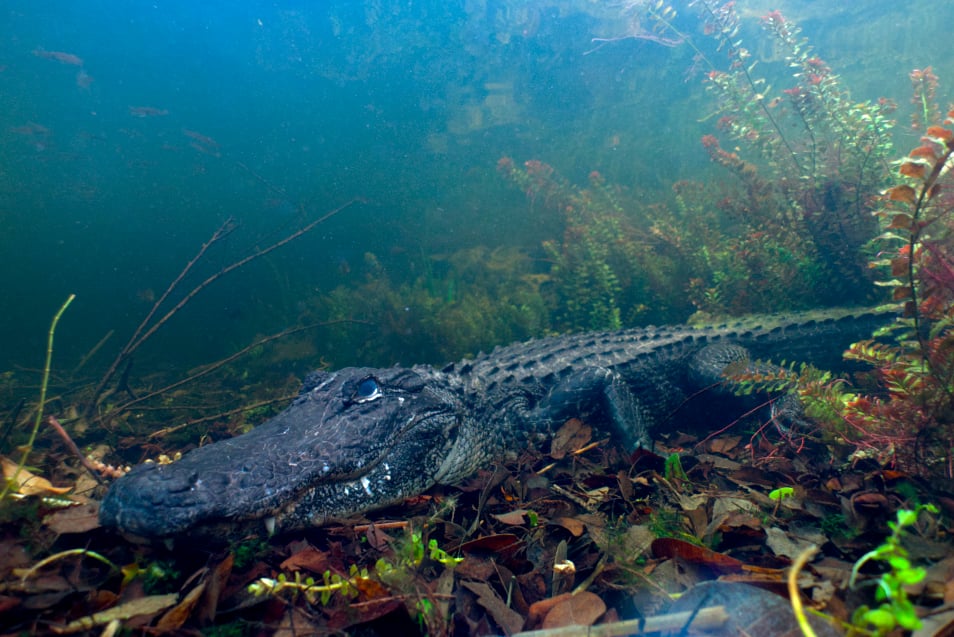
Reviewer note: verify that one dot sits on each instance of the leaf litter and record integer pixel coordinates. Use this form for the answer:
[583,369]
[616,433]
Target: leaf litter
[574,534]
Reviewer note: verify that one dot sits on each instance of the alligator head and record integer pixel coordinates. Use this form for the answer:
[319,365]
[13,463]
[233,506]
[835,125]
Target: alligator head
[354,439]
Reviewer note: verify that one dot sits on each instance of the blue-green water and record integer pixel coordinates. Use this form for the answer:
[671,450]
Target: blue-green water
[132,130]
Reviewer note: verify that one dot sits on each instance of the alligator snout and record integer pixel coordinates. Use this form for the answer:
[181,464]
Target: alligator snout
[353,440]
[155,500]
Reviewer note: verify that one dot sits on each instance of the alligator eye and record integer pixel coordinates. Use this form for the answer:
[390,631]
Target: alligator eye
[368,389]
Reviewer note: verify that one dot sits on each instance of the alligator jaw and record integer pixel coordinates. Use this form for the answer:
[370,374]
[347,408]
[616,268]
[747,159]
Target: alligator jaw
[353,440]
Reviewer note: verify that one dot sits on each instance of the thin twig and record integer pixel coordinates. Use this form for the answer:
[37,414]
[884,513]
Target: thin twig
[58,428]
[216,365]
[92,352]
[141,335]
[225,414]
[707,619]
[259,253]
[132,343]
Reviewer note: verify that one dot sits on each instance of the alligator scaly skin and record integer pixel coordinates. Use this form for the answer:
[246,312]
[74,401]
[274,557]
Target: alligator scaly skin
[361,438]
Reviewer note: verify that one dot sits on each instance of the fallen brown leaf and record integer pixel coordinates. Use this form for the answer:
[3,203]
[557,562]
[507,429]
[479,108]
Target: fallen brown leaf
[27,483]
[509,620]
[516,517]
[571,436]
[671,548]
[76,519]
[142,606]
[175,617]
[539,610]
[573,525]
[217,579]
[307,559]
[580,609]
[498,543]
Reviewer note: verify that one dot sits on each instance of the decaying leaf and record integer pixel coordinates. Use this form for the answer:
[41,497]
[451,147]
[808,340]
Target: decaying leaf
[176,616]
[76,519]
[142,606]
[581,609]
[27,483]
[507,618]
[573,435]
[516,517]
[784,544]
[668,547]
[308,559]
[573,525]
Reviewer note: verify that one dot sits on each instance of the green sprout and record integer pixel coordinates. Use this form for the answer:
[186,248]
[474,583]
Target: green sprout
[781,493]
[673,469]
[409,556]
[440,555]
[895,609]
[314,592]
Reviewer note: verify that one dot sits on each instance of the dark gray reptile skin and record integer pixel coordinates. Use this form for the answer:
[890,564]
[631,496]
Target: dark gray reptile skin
[361,438]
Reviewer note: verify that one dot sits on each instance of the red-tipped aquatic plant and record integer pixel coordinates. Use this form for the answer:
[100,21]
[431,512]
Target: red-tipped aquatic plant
[912,423]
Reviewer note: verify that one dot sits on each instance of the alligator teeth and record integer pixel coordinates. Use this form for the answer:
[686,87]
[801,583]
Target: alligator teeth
[270,524]
[366,484]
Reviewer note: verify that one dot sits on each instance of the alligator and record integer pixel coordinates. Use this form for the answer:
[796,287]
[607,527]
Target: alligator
[361,438]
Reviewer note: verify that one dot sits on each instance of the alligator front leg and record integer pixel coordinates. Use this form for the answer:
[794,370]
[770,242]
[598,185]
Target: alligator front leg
[599,389]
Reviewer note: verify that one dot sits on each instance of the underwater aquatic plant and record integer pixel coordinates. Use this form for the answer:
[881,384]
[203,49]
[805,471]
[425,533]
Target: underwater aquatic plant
[461,303]
[10,482]
[812,131]
[823,155]
[599,265]
[729,250]
[924,85]
[911,422]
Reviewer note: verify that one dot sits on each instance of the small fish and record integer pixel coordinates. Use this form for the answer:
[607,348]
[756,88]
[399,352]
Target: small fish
[83,79]
[35,134]
[202,143]
[147,111]
[146,295]
[31,129]
[59,56]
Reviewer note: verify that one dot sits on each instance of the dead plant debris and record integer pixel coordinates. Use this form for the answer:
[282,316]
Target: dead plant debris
[577,534]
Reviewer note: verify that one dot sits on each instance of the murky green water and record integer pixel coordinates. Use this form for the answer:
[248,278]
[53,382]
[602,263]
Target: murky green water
[131,131]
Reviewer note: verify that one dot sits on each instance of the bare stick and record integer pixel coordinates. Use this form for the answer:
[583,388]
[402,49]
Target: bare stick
[707,619]
[165,431]
[142,334]
[228,359]
[268,185]
[92,352]
[132,343]
[53,422]
[259,253]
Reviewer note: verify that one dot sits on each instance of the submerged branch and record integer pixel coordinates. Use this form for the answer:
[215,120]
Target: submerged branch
[145,331]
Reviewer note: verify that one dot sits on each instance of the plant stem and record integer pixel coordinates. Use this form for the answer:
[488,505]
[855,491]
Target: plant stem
[795,595]
[39,409]
[914,239]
